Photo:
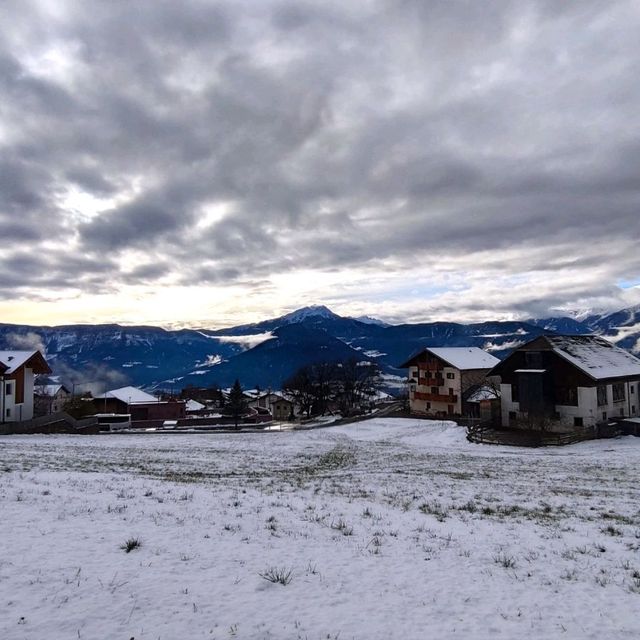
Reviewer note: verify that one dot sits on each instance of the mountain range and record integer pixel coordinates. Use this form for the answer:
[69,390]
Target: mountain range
[266,353]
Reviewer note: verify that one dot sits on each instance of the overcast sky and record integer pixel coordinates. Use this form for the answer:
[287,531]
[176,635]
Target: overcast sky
[212,163]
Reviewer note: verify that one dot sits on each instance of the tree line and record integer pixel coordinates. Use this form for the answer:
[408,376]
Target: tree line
[350,386]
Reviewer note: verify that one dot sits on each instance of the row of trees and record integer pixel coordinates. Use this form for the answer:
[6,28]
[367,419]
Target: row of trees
[350,386]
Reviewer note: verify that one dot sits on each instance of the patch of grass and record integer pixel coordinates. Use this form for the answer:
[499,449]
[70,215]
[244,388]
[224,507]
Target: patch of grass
[610,530]
[343,527]
[435,509]
[469,506]
[271,525]
[508,562]
[278,575]
[617,517]
[132,543]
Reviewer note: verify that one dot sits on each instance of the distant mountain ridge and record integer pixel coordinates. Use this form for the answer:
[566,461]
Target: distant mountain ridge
[267,352]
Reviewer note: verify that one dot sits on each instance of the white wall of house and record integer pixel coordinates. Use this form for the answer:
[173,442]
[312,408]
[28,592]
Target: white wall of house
[16,412]
[452,380]
[9,398]
[587,409]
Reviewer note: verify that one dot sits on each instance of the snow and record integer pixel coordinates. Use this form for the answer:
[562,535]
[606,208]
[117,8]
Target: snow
[392,529]
[595,356]
[465,357]
[312,311]
[129,395]
[194,405]
[49,389]
[623,333]
[13,360]
[374,353]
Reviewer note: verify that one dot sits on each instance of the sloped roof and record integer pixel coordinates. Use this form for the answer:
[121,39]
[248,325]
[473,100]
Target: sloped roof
[130,395]
[50,389]
[194,405]
[462,358]
[595,356]
[13,360]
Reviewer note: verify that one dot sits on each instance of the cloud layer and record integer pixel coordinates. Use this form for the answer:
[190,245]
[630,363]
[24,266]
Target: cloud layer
[409,159]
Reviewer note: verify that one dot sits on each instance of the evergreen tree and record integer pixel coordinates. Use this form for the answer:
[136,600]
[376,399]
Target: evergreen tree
[237,404]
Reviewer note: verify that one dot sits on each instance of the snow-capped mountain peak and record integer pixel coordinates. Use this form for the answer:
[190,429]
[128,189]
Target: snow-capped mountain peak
[313,311]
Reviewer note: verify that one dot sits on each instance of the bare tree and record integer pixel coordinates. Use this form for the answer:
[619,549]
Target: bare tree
[299,387]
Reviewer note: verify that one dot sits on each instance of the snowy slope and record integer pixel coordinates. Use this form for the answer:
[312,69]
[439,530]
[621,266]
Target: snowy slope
[390,529]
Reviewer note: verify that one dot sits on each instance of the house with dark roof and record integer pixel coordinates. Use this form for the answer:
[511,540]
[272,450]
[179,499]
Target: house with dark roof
[50,398]
[17,375]
[442,379]
[139,404]
[562,382]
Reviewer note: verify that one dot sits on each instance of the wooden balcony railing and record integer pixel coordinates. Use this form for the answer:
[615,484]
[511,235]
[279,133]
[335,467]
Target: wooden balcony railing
[431,382]
[435,397]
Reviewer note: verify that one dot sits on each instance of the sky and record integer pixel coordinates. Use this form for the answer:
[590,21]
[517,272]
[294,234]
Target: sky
[213,163]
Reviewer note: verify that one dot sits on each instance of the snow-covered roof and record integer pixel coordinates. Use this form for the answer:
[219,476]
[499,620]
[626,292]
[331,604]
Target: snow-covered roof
[465,357]
[130,395]
[194,405]
[50,389]
[13,360]
[595,356]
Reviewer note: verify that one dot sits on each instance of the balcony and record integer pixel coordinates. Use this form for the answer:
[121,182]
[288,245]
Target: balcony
[431,382]
[435,397]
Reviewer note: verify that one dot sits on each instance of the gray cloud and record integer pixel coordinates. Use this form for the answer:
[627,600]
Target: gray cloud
[338,136]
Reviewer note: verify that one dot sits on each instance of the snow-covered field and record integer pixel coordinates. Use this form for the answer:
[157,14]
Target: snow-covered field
[381,529]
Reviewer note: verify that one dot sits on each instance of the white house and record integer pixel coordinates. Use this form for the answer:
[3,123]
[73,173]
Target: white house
[559,383]
[17,371]
[280,408]
[440,377]
[50,398]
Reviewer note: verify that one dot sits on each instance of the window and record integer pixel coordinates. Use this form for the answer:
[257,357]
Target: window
[450,392]
[633,409]
[577,422]
[604,415]
[512,415]
[8,413]
[567,396]
[533,359]
[450,408]
[8,389]
[602,396]
[435,390]
[428,405]
[631,389]
[451,376]
[618,391]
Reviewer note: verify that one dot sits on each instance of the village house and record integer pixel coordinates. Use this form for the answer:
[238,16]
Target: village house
[17,374]
[561,382]
[278,406]
[142,406]
[441,379]
[50,398]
